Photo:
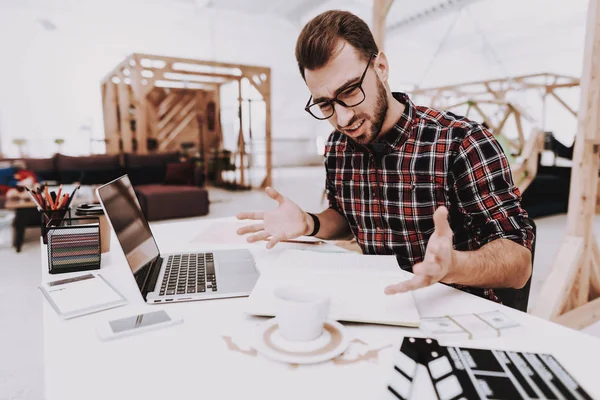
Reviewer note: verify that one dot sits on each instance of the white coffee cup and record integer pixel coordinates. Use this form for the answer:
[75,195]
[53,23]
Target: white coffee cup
[300,313]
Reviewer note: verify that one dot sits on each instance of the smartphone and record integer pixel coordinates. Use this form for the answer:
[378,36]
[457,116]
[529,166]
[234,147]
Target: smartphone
[137,324]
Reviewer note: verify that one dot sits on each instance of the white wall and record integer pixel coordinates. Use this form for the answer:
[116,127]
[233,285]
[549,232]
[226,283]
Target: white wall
[50,81]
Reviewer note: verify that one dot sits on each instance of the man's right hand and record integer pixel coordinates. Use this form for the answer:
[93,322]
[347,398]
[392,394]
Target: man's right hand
[286,222]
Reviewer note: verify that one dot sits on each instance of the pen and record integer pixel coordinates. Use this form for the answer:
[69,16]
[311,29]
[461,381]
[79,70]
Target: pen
[72,195]
[300,241]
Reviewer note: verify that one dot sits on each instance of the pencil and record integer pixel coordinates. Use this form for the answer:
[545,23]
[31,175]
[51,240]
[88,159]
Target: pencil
[59,191]
[48,198]
[63,201]
[35,199]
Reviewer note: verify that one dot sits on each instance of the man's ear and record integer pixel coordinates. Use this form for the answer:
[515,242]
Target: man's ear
[382,67]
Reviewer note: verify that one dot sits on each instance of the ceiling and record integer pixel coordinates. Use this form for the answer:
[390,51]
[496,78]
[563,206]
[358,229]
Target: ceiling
[297,12]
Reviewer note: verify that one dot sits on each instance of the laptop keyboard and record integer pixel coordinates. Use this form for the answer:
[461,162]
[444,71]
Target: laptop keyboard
[189,273]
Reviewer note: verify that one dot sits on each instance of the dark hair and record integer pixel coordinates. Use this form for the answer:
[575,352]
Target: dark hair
[321,35]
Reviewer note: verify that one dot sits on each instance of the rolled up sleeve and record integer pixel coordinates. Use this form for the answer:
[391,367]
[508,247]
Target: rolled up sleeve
[486,193]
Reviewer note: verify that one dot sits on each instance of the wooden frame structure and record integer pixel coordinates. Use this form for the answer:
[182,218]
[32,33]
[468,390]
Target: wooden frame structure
[157,97]
[380,12]
[496,89]
[571,293]
[476,95]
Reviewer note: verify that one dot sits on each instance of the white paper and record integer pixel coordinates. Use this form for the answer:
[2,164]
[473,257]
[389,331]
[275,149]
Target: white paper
[475,326]
[82,296]
[337,263]
[355,283]
[498,320]
[442,326]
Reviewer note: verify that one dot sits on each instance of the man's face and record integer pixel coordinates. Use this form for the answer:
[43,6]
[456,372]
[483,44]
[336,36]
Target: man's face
[363,122]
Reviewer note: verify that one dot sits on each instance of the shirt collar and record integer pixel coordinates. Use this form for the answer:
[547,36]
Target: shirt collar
[401,130]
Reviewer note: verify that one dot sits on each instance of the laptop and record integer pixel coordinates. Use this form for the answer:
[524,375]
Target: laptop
[177,277]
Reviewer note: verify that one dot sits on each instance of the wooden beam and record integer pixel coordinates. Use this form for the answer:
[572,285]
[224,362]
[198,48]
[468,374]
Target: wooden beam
[519,130]
[269,149]
[203,133]
[126,63]
[589,104]
[218,127]
[124,104]
[164,144]
[241,143]
[581,285]
[595,270]
[565,105]
[111,118]
[264,88]
[181,114]
[509,111]
[478,88]
[141,112]
[194,76]
[380,11]
[200,62]
[558,284]
[167,102]
[531,150]
[581,317]
[496,95]
[582,196]
[485,118]
[152,121]
[183,101]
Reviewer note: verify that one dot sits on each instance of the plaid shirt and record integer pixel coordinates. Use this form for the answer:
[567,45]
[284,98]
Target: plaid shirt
[429,159]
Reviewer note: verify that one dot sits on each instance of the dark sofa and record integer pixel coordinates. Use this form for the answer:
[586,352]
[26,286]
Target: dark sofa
[165,186]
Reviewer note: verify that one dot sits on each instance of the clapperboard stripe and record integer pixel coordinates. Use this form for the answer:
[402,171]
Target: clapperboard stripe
[463,373]
[401,381]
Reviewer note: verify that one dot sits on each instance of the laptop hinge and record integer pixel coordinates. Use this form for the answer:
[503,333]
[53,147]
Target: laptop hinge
[152,276]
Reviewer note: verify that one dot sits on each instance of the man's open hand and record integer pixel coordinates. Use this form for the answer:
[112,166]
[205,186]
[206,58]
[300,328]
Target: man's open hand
[286,222]
[439,257]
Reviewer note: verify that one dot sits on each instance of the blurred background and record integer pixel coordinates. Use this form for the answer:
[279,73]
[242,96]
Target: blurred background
[56,52]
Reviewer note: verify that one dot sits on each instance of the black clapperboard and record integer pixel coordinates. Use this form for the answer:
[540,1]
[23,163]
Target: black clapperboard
[465,373]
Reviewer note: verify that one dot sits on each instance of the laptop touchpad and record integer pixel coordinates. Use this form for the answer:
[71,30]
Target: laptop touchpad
[235,268]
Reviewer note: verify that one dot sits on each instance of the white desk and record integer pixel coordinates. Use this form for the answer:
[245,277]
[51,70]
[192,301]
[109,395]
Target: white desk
[192,360]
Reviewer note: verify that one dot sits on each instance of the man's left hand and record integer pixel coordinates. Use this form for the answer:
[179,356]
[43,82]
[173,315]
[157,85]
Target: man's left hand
[439,257]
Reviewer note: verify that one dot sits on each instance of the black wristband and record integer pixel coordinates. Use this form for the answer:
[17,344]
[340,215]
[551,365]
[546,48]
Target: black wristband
[317,224]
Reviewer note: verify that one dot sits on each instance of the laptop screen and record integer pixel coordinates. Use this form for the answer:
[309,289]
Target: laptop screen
[125,214]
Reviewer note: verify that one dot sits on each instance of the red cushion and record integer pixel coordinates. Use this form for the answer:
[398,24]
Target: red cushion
[180,173]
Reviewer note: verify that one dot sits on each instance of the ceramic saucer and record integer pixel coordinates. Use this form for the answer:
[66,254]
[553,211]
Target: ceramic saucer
[332,342]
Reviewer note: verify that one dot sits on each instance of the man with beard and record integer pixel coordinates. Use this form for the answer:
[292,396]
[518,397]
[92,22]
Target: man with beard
[430,187]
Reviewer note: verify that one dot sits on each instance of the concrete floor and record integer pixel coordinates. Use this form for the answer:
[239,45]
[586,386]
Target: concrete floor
[20,300]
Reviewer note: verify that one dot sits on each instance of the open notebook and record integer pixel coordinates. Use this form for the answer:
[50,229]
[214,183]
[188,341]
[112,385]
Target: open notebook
[354,282]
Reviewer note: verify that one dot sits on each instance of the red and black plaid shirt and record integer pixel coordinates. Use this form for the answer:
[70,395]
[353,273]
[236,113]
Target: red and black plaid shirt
[389,192]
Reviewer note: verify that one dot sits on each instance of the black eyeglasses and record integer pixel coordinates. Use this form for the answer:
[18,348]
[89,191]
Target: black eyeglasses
[350,96]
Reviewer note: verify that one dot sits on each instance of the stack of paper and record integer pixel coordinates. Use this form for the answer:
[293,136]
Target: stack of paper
[81,295]
[354,282]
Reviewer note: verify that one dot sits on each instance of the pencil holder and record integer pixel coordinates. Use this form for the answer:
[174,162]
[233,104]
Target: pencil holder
[73,245]
[51,218]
